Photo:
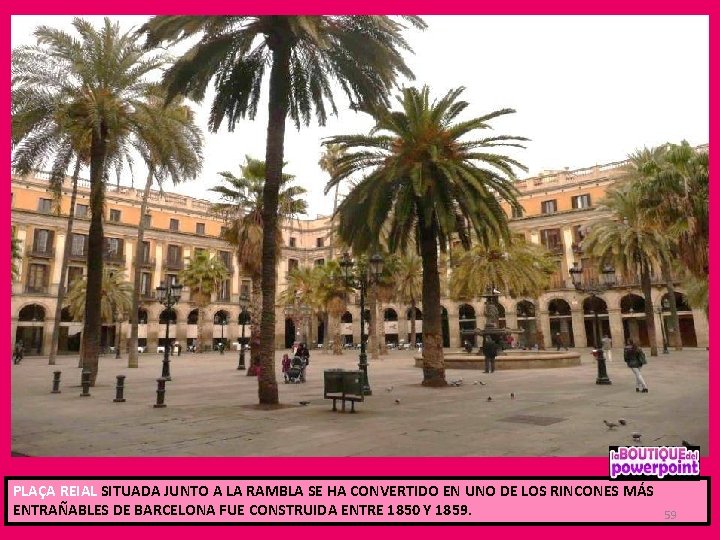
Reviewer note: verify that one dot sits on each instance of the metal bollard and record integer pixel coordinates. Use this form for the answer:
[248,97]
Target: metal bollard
[119,389]
[160,394]
[85,381]
[56,382]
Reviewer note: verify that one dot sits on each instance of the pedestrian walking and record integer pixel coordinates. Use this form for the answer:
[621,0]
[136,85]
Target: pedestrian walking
[607,347]
[559,342]
[635,360]
[18,352]
[285,366]
[490,350]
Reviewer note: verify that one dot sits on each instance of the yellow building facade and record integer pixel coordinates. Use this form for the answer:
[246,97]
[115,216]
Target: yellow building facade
[558,206]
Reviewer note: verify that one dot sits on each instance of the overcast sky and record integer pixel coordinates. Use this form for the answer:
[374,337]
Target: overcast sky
[587,90]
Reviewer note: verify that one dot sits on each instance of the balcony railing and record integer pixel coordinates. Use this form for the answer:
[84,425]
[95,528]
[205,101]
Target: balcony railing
[78,257]
[117,258]
[147,263]
[47,253]
[35,289]
[174,264]
[556,249]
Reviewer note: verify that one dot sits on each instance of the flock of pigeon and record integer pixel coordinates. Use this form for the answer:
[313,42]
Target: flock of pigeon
[636,435]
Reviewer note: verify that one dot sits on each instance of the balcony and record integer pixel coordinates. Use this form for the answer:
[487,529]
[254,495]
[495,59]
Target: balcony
[114,258]
[47,253]
[556,249]
[171,264]
[35,289]
[80,257]
[147,296]
[147,263]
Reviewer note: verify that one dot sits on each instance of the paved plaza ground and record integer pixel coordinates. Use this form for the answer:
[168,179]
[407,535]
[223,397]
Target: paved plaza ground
[211,410]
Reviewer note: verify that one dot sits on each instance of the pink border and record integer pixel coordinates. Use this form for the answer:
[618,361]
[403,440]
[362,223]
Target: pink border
[335,466]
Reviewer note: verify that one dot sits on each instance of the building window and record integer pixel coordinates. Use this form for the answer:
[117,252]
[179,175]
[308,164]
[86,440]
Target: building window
[223,231]
[37,277]
[79,245]
[225,257]
[171,279]
[199,251]
[319,242]
[147,219]
[173,255]
[145,252]
[292,264]
[42,242]
[113,248]
[174,225]
[44,205]
[552,240]
[245,287]
[548,207]
[199,228]
[293,242]
[81,210]
[115,215]
[74,272]
[517,212]
[319,262]
[581,201]
[145,284]
[224,290]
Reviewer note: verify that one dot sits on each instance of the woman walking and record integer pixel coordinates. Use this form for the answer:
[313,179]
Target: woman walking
[635,359]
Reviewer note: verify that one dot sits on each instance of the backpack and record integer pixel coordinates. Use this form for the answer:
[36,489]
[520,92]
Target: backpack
[641,357]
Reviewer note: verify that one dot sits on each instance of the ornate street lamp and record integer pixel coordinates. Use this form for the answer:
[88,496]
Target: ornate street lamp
[361,282]
[168,297]
[661,309]
[607,281]
[244,301]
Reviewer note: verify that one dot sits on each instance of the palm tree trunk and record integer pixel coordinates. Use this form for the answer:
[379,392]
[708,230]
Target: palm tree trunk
[337,334]
[413,333]
[332,224]
[137,277]
[64,267]
[372,327]
[673,330]
[274,150]
[380,317]
[646,285]
[93,318]
[255,309]
[433,361]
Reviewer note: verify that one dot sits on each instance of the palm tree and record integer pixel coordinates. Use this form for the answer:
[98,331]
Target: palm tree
[304,54]
[202,275]
[171,145]
[332,294]
[698,294]
[97,84]
[242,208]
[519,268]
[16,257]
[426,184]
[301,290]
[115,300]
[408,278]
[631,243]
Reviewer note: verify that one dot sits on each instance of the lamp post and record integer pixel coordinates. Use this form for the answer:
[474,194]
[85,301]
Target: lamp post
[361,281]
[607,281]
[664,306]
[223,322]
[244,301]
[168,297]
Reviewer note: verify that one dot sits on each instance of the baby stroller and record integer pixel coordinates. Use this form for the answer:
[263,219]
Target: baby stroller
[296,373]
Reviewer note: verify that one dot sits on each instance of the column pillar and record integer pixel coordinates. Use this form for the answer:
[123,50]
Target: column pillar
[57,260]
[616,328]
[47,334]
[701,327]
[578,326]
[545,327]
[157,274]
[454,328]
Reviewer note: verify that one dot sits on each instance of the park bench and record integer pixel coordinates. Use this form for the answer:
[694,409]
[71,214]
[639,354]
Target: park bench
[343,385]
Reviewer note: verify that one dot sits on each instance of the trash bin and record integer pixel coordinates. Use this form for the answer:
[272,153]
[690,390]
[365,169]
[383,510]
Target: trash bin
[333,381]
[352,383]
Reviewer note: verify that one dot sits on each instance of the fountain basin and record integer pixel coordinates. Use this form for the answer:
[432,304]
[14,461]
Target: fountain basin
[514,359]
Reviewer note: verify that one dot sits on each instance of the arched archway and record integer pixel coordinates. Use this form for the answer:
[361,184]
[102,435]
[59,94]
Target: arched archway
[468,323]
[390,320]
[289,332]
[525,311]
[30,328]
[191,329]
[69,333]
[560,315]
[418,324]
[168,315]
[686,321]
[221,320]
[632,309]
[346,328]
[596,318]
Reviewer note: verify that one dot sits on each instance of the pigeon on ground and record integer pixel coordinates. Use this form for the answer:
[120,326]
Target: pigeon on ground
[303,403]
[397,402]
[389,388]
[476,382]
[489,398]
[456,383]
[512,395]
[636,436]
[610,425]
[622,422]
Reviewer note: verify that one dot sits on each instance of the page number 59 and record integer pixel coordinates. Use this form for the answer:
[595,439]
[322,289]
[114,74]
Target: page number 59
[670,514]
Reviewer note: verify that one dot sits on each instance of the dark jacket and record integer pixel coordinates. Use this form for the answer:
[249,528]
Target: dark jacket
[490,349]
[633,357]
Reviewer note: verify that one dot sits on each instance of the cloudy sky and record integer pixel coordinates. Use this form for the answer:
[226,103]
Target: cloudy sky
[587,90]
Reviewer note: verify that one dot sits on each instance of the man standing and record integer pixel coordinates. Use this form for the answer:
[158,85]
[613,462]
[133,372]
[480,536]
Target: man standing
[607,347]
[490,351]
[635,359]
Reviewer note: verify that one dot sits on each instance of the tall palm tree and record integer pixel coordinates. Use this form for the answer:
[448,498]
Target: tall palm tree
[332,294]
[304,54]
[301,290]
[202,275]
[426,182]
[518,268]
[170,143]
[98,84]
[408,277]
[631,243]
[242,208]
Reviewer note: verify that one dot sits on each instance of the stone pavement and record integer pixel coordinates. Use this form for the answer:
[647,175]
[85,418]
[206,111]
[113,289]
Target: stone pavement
[210,410]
